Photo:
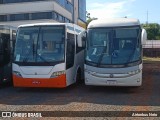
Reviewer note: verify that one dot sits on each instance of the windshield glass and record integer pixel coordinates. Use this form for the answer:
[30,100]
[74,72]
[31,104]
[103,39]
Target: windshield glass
[40,44]
[115,46]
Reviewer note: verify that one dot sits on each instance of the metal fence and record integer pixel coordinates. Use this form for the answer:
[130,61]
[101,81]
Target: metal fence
[151,48]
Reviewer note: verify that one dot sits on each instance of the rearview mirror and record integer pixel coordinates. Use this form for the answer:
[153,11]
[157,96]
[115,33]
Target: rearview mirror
[82,39]
[143,36]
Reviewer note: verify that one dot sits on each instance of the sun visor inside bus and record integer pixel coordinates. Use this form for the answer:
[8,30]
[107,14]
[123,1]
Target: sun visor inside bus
[26,37]
[122,33]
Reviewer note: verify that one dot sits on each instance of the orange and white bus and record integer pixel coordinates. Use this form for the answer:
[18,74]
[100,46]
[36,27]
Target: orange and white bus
[47,55]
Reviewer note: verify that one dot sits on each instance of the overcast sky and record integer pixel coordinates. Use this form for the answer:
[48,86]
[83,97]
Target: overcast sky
[121,8]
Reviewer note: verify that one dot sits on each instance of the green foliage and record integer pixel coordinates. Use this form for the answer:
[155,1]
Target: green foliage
[153,31]
[89,19]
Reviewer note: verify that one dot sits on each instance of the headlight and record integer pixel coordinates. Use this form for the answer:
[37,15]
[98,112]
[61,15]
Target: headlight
[89,72]
[134,72]
[56,74]
[17,73]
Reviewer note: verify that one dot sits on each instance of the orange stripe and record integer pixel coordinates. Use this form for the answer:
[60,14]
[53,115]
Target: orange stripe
[59,82]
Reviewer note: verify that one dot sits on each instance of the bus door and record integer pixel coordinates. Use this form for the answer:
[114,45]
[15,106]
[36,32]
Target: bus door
[5,48]
[70,58]
[5,67]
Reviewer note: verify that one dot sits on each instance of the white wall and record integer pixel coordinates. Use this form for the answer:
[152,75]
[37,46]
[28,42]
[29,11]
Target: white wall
[30,7]
[17,23]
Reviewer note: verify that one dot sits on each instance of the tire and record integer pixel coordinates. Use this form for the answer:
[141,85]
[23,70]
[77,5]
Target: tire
[78,77]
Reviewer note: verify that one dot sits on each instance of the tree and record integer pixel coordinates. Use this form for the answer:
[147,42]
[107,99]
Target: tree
[89,19]
[153,31]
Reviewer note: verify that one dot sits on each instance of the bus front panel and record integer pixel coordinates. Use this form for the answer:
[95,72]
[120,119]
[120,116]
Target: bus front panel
[39,76]
[39,57]
[117,50]
[130,76]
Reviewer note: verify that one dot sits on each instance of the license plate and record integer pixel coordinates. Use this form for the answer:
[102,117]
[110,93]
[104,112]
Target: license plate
[111,82]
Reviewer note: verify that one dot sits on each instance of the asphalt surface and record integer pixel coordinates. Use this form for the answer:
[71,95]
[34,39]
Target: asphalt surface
[87,98]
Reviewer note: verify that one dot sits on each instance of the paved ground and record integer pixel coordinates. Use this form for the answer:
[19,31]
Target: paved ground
[87,98]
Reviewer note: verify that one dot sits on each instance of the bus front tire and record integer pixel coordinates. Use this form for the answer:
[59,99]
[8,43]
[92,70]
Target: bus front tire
[78,77]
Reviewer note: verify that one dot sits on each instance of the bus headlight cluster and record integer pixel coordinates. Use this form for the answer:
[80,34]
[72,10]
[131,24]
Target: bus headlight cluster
[56,74]
[134,72]
[89,72]
[17,73]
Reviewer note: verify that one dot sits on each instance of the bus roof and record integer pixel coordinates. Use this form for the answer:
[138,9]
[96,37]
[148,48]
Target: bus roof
[114,22]
[70,26]
[44,24]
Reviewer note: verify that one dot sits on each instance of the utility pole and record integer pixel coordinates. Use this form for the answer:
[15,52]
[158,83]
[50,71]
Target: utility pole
[147,18]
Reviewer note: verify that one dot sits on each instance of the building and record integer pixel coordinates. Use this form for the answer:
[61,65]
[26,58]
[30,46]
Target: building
[17,12]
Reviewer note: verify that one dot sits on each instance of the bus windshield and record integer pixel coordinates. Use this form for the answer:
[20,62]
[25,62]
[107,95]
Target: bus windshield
[113,46]
[40,44]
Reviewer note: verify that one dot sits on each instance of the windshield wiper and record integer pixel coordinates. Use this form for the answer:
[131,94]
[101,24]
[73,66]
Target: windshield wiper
[101,56]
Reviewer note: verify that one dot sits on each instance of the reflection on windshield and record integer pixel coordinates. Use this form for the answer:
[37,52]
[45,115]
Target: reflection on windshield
[40,44]
[98,45]
[113,46]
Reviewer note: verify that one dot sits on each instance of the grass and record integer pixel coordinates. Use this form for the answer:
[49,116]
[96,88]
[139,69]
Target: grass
[151,59]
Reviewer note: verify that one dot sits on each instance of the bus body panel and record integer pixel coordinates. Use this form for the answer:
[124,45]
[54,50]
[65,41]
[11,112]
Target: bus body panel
[5,73]
[38,71]
[113,76]
[80,62]
[58,82]
[38,77]
[28,70]
[72,72]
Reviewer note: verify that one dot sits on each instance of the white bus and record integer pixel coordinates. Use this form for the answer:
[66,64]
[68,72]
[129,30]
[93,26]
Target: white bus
[47,55]
[113,55]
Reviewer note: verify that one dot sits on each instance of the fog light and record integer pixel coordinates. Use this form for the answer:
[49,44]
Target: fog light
[5,79]
[87,80]
[139,80]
